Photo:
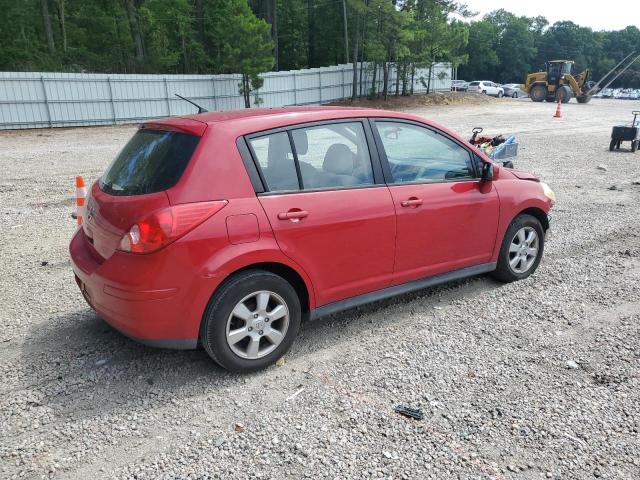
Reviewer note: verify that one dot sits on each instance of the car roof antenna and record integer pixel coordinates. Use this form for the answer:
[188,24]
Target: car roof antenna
[200,109]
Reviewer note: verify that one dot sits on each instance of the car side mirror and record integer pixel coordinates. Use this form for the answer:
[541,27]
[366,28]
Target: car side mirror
[487,172]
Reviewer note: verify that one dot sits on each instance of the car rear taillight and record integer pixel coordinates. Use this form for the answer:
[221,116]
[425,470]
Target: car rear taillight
[160,228]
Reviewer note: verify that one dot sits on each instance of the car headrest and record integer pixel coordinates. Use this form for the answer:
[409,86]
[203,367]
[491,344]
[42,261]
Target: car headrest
[279,148]
[301,141]
[338,160]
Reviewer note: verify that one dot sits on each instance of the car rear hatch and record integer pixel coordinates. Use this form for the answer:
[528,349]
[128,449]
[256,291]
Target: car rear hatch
[135,184]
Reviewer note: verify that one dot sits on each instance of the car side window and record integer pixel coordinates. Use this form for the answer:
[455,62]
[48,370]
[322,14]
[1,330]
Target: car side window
[275,158]
[419,155]
[333,155]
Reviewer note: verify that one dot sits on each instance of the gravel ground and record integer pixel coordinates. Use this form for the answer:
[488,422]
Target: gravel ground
[535,379]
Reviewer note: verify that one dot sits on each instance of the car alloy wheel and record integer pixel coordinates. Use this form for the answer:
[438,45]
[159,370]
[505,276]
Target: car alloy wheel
[257,324]
[523,250]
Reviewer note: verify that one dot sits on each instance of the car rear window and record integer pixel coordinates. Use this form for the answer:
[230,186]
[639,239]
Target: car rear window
[474,84]
[152,161]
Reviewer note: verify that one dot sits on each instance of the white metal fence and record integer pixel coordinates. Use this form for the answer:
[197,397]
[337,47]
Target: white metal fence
[43,100]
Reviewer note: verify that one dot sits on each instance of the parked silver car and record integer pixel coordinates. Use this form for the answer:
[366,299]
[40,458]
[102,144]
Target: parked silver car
[513,90]
[459,85]
[486,87]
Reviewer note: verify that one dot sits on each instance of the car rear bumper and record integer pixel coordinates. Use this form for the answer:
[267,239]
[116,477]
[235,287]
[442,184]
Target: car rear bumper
[140,297]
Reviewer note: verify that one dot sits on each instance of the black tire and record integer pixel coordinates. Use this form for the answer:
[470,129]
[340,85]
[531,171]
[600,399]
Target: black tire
[634,145]
[500,94]
[514,95]
[583,99]
[213,330]
[504,272]
[612,145]
[564,94]
[618,144]
[551,99]
[538,93]
[484,92]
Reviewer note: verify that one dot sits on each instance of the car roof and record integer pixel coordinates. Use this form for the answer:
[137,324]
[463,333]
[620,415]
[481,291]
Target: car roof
[251,120]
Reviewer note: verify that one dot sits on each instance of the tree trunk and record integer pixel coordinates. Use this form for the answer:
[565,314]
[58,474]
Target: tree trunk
[429,79]
[413,76]
[362,49]
[346,31]
[397,78]
[354,91]
[200,20]
[185,60]
[385,79]
[132,14]
[48,30]
[246,91]
[373,92]
[274,32]
[311,40]
[63,27]
[405,79]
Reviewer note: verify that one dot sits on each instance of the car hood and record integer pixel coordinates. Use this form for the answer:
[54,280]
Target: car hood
[525,175]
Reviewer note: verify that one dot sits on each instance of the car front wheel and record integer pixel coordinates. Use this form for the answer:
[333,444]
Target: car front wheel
[521,249]
[251,321]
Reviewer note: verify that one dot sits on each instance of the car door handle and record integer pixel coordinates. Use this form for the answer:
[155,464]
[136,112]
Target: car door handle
[293,215]
[411,202]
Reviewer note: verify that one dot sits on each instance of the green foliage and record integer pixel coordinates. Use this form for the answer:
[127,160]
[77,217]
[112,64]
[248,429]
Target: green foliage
[505,48]
[243,36]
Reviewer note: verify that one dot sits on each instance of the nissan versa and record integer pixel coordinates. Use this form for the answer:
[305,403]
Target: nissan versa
[226,230]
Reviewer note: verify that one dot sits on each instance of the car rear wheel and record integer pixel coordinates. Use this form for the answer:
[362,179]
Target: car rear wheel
[251,321]
[514,95]
[521,249]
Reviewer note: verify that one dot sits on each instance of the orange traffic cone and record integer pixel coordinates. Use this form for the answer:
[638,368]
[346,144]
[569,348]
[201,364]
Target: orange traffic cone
[558,114]
[81,194]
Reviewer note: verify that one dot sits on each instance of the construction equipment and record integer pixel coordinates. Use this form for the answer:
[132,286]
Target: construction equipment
[558,83]
[626,133]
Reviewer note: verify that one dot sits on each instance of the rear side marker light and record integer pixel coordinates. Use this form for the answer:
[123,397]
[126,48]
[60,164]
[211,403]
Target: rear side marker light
[162,227]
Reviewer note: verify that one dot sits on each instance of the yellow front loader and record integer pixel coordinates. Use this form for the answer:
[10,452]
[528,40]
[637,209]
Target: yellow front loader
[558,83]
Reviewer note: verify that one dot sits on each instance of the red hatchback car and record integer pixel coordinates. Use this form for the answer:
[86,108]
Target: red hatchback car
[228,229]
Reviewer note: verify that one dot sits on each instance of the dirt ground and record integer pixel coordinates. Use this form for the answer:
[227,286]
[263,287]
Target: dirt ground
[535,379]
[422,100]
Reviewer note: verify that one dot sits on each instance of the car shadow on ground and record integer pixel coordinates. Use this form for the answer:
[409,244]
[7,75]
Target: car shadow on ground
[81,367]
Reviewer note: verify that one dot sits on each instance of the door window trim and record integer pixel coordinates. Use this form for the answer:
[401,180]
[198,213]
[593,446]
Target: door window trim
[385,161]
[256,176]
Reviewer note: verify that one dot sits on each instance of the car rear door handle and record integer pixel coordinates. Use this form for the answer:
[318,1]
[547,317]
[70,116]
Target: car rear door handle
[411,202]
[293,215]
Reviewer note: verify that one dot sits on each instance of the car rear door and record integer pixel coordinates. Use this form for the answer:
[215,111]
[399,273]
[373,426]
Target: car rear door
[328,205]
[447,218]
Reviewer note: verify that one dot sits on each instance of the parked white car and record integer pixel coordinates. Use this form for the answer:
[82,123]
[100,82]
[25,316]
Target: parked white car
[486,87]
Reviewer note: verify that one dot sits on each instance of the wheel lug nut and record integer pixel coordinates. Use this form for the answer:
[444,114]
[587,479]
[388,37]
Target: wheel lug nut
[260,332]
[250,328]
[255,315]
[266,319]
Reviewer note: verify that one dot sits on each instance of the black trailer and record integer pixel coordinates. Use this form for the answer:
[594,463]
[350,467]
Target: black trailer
[626,133]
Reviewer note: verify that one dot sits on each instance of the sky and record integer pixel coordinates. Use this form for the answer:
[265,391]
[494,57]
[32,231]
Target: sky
[609,15]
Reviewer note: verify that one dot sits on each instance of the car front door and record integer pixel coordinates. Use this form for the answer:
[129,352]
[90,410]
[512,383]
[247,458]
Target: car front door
[447,218]
[328,206]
